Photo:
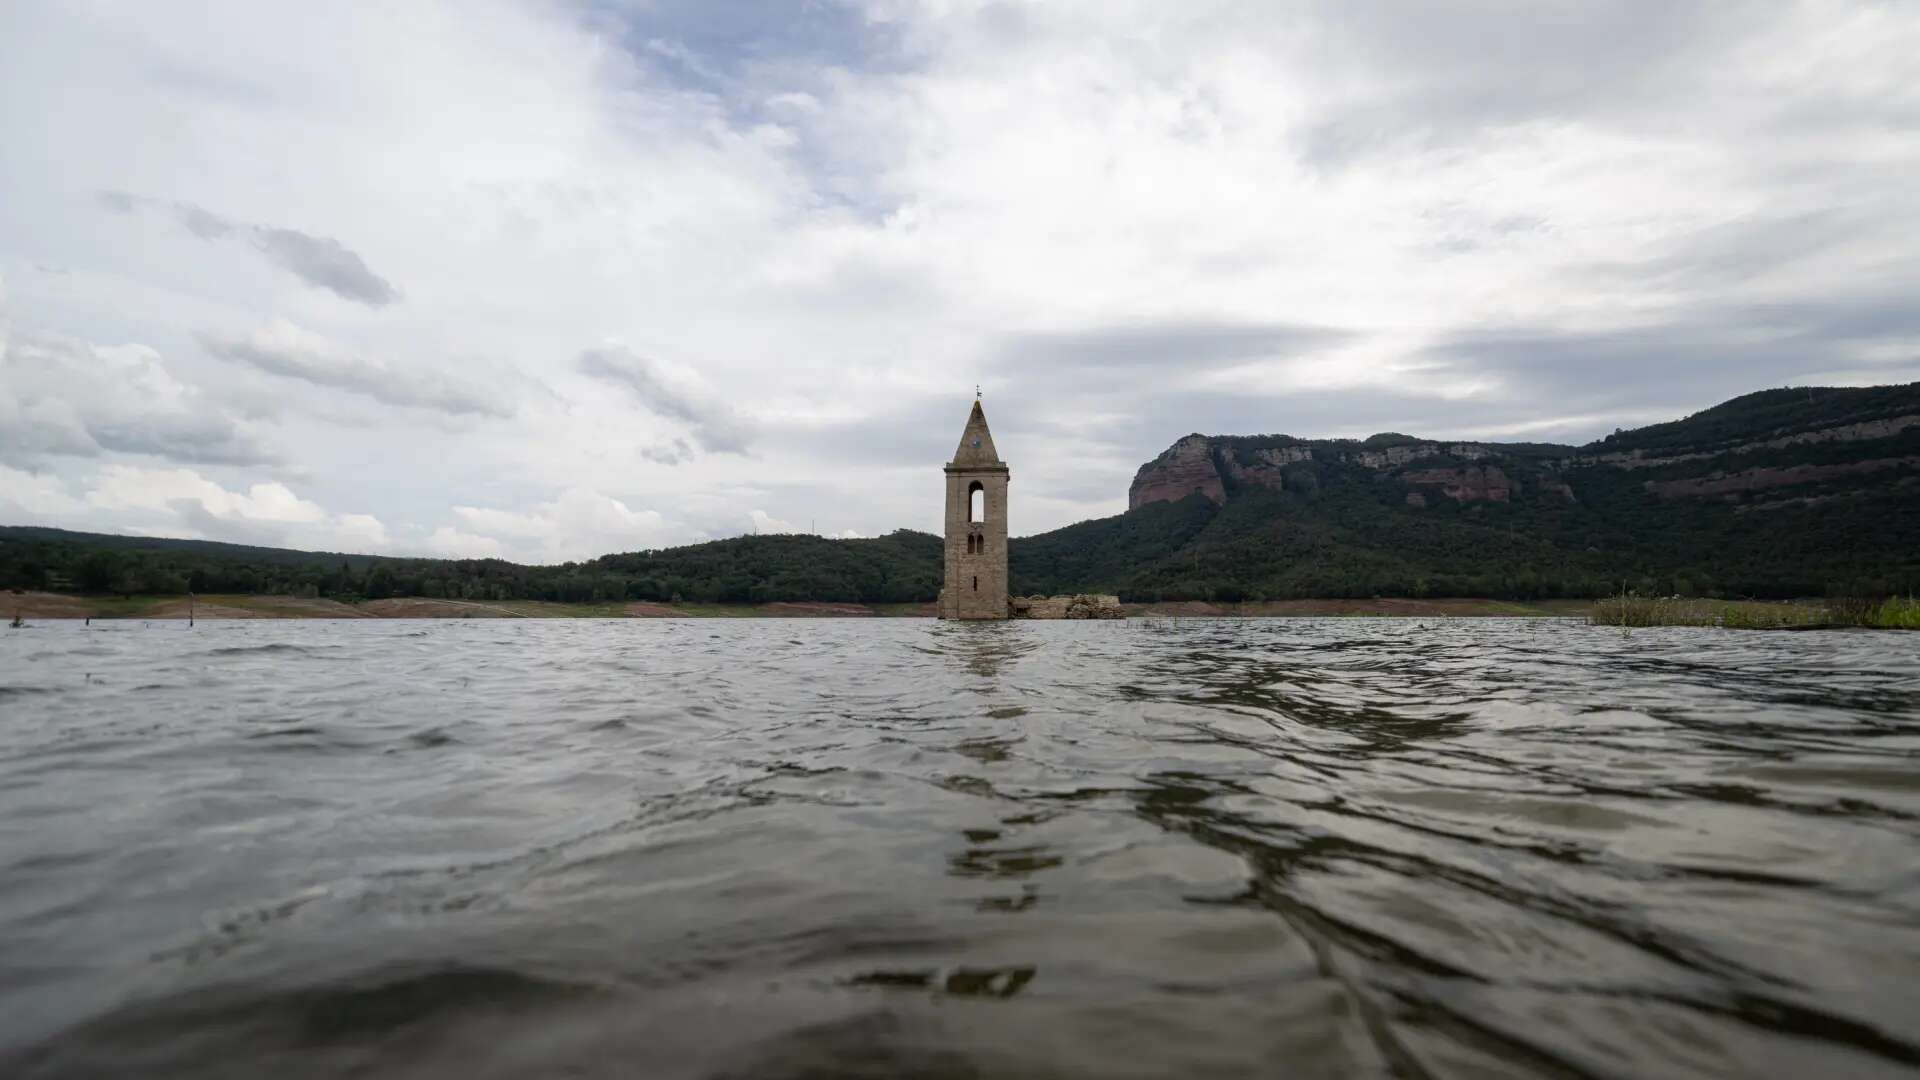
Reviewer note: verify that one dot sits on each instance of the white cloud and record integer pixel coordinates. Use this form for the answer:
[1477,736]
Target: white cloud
[360,532]
[64,396]
[451,543]
[578,524]
[763,522]
[181,502]
[39,497]
[816,248]
[123,487]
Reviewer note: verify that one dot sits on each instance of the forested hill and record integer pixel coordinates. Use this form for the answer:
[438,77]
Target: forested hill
[1780,493]
[901,567]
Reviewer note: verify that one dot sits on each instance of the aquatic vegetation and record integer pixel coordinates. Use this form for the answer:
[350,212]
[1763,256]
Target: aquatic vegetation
[1897,613]
[1630,610]
[1765,616]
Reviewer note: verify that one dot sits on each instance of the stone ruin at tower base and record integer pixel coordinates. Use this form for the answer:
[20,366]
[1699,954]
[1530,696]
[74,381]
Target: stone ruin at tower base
[1079,606]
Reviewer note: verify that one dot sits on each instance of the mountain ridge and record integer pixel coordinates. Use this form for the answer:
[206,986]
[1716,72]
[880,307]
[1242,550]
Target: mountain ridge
[1788,492]
[1764,420]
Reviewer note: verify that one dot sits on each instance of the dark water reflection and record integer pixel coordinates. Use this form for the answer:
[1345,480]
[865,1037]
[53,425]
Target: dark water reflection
[778,849]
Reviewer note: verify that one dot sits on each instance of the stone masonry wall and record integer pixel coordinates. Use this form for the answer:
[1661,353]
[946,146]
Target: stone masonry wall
[975,586]
[1082,606]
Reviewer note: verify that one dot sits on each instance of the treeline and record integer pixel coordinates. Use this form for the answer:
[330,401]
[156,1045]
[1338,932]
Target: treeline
[1761,414]
[900,568]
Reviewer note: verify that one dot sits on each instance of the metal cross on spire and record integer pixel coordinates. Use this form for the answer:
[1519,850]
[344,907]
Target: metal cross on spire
[976,391]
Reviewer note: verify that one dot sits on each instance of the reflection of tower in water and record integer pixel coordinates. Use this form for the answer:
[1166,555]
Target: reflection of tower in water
[983,650]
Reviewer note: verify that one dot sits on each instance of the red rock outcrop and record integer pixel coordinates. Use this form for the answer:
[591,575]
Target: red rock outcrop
[1185,468]
[1479,483]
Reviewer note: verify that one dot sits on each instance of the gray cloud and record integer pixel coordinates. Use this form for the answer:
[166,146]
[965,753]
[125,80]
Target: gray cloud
[286,350]
[915,432]
[323,263]
[1734,253]
[676,452]
[1183,346]
[1694,360]
[202,440]
[1430,72]
[715,425]
[320,261]
[203,223]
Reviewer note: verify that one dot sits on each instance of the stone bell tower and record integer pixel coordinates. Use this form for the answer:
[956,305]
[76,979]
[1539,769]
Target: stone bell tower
[975,586]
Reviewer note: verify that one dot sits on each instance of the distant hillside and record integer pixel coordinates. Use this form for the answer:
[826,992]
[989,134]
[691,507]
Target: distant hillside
[901,567]
[1783,492]
[1780,493]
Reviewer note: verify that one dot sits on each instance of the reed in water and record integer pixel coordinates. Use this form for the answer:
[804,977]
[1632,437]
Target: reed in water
[1630,609]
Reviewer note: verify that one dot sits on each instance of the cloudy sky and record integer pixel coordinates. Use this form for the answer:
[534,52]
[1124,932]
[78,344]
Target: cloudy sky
[550,279]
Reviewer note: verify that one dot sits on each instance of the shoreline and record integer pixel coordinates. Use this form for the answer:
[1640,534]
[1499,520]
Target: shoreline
[47,606]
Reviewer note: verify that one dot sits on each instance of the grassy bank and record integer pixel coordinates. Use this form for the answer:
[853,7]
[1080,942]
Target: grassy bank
[1897,613]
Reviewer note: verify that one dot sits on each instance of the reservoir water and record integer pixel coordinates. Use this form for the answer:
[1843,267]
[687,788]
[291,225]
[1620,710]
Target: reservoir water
[767,848]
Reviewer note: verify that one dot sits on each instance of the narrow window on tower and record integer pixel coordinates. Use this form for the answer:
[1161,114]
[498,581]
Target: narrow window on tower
[976,584]
[976,502]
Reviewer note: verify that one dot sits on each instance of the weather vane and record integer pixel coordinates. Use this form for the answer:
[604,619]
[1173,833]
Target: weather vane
[976,391]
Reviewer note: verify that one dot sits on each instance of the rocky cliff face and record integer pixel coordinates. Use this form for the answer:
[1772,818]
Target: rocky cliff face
[1477,484]
[1743,452]
[1781,493]
[1185,468]
[1216,466]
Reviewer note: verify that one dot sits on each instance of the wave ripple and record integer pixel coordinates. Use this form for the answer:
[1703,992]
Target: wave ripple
[897,847]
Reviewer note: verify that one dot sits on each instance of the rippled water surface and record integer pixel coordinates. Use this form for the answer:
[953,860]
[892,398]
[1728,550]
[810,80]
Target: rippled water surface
[900,847]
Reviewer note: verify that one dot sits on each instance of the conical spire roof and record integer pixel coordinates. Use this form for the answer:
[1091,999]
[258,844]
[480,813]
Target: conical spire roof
[976,443]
